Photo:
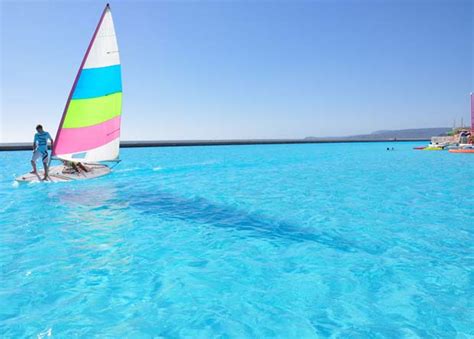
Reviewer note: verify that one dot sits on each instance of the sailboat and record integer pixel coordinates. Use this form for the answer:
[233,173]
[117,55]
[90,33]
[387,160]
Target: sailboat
[468,148]
[89,130]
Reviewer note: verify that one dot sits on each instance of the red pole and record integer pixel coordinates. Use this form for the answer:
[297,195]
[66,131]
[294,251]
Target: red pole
[472,118]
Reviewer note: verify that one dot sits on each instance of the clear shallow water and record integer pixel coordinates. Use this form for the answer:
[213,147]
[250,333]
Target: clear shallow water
[243,241]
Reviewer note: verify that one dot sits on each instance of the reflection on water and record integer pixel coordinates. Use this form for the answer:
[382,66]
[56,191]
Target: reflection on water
[95,219]
[97,205]
[86,195]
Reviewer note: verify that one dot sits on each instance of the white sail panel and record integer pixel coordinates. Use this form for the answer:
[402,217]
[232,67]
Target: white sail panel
[104,51]
[107,152]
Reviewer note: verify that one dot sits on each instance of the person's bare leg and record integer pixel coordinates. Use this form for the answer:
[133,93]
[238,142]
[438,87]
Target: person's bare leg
[34,171]
[45,166]
[84,168]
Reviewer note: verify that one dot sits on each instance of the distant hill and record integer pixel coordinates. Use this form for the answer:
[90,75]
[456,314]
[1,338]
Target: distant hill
[414,133]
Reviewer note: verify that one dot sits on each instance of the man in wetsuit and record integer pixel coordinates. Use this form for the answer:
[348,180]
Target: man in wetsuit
[40,149]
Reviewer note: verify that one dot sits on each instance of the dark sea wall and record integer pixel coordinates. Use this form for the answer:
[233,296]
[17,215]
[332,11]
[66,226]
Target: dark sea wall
[178,143]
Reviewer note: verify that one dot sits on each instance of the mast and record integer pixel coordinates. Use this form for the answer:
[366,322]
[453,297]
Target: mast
[77,77]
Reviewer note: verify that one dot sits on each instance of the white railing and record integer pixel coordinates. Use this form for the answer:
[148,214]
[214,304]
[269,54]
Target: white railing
[445,140]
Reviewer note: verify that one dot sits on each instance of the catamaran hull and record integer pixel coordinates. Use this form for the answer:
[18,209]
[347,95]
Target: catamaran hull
[56,174]
[468,150]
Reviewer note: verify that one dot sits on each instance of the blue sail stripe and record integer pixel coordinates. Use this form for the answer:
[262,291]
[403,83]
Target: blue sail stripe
[97,82]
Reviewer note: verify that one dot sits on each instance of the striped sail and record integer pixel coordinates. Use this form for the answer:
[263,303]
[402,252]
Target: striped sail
[90,126]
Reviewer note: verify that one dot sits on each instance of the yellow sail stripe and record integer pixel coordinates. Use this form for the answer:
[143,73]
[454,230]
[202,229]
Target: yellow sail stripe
[93,111]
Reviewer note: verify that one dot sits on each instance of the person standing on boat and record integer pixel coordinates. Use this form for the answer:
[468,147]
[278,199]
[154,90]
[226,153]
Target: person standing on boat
[40,149]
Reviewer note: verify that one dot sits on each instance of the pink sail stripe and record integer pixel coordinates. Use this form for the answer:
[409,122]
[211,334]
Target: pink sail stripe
[74,140]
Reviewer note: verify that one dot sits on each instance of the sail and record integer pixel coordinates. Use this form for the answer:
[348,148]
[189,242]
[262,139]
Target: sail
[89,130]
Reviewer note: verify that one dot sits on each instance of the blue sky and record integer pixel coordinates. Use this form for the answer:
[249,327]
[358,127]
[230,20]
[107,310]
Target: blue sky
[246,69]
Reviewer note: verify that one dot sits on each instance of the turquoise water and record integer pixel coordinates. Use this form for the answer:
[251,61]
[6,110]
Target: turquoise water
[295,241]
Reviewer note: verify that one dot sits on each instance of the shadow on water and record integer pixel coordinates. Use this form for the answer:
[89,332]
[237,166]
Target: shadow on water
[202,211]
[111,203]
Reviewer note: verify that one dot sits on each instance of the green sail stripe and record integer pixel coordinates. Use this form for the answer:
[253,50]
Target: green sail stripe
[93,111]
